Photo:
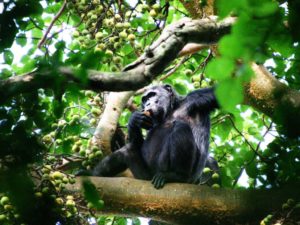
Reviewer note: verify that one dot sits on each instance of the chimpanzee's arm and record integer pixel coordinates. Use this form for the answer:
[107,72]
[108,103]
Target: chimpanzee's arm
[202,100]
[137,121]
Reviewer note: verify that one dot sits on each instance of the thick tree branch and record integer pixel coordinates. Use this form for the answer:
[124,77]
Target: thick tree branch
[275,99]
[186,203]
[136,75]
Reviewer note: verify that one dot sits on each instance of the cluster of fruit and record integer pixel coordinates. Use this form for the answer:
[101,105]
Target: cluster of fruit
[107,26]
[7,211]
[92,155]
[215,177]
[53,184]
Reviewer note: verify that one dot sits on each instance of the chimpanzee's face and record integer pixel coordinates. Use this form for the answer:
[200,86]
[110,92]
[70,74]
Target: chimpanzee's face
[157,101]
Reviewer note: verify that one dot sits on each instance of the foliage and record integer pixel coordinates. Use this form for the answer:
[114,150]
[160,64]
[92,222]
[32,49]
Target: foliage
[41,131]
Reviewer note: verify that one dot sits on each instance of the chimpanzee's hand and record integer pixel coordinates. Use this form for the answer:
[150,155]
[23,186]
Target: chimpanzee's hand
[140,120]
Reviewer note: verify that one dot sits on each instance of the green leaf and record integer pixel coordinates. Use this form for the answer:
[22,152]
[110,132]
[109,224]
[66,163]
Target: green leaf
[231,47]
[8,57]
[180,88]
[229,93]
[225,7]
[281,41]
[91,194]
[251,170]
[244,72]
[266,9]
[220,68]
[21,40]
[37,33]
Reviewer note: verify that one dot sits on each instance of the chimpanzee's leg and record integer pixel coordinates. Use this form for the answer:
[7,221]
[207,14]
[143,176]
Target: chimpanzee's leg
[178,157]
[112,164]
[120,160]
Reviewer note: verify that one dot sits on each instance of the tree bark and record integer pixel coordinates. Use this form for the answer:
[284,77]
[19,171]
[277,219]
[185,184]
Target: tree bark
[187,203]
[275,99]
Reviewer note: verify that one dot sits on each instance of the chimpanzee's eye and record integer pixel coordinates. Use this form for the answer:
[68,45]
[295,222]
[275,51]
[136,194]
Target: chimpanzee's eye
[146,97]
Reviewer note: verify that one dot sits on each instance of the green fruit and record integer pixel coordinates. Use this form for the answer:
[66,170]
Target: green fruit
[100,204]
[95,149]
[215,176]
[94,17]
[65,180]
[47,139]
[153,13]
[97,99]
[99,35]
[85,32]
[76,34]
[57,175]
[38,194]
[70,197]
[88,94]
[72,181]
[45,190]
[128,14]
[290,202]
[59,201]
[119,25]
[109,53]
[58,142]
[114,69]
[206,170]
[118,17]
[196,78]
[145,7]
[54,125]
[196,85]
[155,6]
[117,59]
[91,156]
[82,152]
[131,37]
[85,163]
[99,9]
[188,72]
[95,111]
[2,217]
[57,182]
[45,177]
[4,200]
[62,123]
[75,148]
[285,206]
[123,34]
[215,186]
[93,122]
[98,154]
[70,203]
[90,205]
[127,25]
[117,45]
[8,207]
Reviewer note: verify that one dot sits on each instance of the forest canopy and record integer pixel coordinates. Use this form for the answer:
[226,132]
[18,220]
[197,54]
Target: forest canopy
[72,71]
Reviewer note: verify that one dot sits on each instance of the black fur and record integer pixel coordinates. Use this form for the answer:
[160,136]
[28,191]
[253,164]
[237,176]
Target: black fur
[176,145]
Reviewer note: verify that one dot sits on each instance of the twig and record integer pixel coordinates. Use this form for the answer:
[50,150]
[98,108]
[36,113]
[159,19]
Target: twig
[173,70]
[52,23]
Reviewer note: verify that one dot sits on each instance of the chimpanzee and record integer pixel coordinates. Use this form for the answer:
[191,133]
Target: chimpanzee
[175,148]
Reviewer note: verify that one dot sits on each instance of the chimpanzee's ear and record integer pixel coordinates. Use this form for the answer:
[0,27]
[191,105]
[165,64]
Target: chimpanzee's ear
[169,88]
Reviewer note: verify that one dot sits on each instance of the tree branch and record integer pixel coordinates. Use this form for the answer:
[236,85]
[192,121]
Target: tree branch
[186,203]
[136,75]
[42,41]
